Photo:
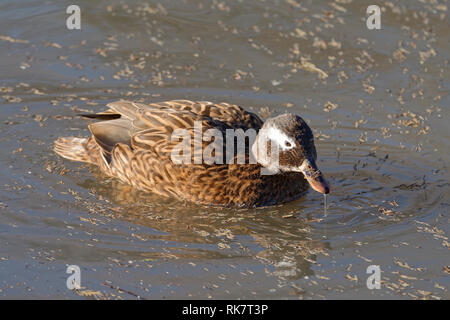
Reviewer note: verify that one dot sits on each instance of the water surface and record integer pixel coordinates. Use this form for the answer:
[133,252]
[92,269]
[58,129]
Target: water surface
[377,101]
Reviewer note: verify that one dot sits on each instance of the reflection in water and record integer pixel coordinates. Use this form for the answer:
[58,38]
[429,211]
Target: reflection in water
[281,237]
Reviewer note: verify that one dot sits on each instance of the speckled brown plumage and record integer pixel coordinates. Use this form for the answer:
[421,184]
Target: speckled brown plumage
[133,144]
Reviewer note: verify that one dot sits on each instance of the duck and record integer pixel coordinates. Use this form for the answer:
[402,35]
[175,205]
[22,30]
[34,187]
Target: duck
[215,154]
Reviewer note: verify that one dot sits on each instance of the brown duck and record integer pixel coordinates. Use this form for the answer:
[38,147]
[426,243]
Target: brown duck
[149,147]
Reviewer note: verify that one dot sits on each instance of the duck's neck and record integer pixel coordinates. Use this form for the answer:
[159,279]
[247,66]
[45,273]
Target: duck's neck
[251,185]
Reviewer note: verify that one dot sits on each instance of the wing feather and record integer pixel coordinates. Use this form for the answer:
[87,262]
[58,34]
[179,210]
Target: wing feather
[150,127]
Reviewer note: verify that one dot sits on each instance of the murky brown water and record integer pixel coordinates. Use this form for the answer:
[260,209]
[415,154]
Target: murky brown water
[377,101]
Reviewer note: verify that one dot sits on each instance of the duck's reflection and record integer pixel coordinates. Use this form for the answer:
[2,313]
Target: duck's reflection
[277,236]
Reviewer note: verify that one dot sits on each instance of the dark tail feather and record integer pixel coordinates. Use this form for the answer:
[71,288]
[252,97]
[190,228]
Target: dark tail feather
[100,116]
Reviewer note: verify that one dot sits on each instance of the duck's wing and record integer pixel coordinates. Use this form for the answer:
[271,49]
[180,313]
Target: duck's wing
[233,115]
[168,129]
[160,127]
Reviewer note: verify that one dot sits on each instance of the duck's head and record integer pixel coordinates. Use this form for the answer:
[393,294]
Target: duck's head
[286,144]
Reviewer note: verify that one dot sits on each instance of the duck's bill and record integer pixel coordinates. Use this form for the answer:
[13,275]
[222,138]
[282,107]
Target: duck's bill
[315,177]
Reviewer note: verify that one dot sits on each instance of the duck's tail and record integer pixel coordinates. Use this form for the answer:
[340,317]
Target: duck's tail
[77,149]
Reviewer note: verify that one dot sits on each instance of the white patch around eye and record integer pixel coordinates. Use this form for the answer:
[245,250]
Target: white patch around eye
[283,141]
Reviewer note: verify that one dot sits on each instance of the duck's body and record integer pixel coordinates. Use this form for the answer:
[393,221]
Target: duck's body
[135,144]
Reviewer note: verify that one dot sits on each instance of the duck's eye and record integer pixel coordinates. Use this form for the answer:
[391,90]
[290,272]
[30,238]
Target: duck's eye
[287,144]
